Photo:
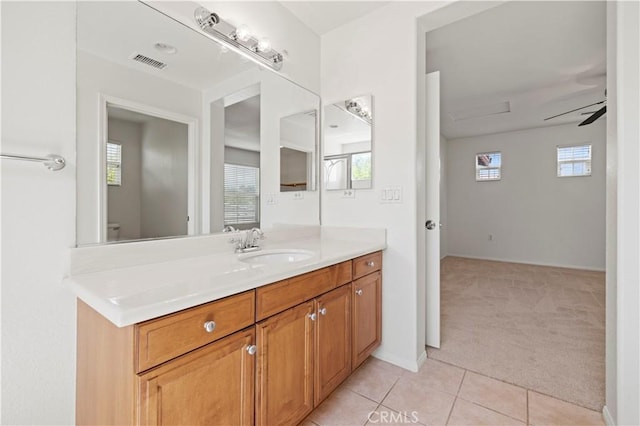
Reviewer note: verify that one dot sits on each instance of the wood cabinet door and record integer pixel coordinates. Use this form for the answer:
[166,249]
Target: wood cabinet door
[213,385]
[367,316]
[284,393]
[333,341]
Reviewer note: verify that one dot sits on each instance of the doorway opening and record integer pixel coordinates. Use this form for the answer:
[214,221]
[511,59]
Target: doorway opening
[148,172]
[526,265]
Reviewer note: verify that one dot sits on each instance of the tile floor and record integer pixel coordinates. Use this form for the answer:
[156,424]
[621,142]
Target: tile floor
[379,393]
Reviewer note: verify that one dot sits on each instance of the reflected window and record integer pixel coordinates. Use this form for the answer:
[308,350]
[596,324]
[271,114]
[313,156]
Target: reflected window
[114,164]
[488,166]
[335,173]
[348,171]
[361,170]
[241,195]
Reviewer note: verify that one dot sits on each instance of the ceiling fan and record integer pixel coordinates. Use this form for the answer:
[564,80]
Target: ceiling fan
[593,117]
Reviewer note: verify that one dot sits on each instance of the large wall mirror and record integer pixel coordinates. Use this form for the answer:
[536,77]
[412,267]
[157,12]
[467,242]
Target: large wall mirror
[177,135]
[348,142]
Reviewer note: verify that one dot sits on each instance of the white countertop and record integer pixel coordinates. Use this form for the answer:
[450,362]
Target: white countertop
[132,294]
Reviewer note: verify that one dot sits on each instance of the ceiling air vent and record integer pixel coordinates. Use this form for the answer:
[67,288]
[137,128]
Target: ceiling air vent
[148,61]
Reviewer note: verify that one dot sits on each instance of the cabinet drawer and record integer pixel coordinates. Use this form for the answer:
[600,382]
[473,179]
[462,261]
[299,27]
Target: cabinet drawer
[366,264]
[283,295]
[165,338]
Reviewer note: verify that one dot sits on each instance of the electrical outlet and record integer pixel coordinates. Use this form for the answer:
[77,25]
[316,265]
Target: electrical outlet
[490,237]
[348,193]
[272,199]
[298,195]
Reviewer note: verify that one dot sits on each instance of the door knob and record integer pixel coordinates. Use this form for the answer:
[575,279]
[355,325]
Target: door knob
[430,225]
[312,316]
[323,311]
[359,292]
[251,350]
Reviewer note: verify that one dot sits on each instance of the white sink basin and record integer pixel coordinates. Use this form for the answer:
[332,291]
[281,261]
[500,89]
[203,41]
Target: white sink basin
[275,256]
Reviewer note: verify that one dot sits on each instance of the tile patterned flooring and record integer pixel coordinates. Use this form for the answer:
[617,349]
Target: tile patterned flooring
[379,393]
[544,329]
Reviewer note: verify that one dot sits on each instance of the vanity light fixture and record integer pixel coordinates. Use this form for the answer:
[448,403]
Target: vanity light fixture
[357,108]
[238,39]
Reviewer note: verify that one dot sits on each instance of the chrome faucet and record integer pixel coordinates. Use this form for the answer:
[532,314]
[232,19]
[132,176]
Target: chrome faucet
[246,241]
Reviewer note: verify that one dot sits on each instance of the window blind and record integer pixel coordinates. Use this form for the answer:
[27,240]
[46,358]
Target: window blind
[574,160]
[488,166]
[114,164]
[241,194]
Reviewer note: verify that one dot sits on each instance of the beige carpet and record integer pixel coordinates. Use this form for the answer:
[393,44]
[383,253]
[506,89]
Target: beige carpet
[538,327]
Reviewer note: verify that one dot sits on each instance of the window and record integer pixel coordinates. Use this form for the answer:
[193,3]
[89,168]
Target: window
[241,194]
[348,171]
[574,160]
[114,164]
[488,166]
[361,170]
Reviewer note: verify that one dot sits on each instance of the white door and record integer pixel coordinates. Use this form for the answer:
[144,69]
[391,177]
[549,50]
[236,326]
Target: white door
[432,209]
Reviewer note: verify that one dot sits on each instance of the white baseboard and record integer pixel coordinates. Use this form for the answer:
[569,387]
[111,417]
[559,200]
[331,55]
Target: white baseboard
[607,417]
[401,362]
[526,262]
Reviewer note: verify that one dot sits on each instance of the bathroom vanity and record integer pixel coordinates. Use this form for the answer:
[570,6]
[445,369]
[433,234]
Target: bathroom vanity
[265,355]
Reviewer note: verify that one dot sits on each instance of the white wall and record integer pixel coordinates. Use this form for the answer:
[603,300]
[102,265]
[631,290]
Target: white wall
[38,213]
[626,406]
[164,188]
[352,64]
[123,201]
[96,77]
[533,216]
[611,296]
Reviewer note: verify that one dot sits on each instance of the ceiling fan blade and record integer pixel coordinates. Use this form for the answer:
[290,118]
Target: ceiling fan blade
[573,110]
[599,113]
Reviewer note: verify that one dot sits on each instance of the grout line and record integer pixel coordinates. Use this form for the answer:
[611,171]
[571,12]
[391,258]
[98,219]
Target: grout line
[527,407]
[461,382]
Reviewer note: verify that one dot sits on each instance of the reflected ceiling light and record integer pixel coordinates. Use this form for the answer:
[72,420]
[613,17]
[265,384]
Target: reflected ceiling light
[165,48]
[238,39]
[242,33]
[264,45]
[359,109]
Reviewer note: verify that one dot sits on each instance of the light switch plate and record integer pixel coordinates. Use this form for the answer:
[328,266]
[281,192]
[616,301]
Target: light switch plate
[272,199]
[391,194]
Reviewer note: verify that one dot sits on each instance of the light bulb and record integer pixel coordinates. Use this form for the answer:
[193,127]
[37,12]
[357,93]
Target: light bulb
[243,33]
[264,45]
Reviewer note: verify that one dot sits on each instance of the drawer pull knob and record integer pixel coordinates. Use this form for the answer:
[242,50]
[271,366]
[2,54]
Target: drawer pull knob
[359,292]
[312,316]
[209,326]
[323,311]
[252,349]
[371,263]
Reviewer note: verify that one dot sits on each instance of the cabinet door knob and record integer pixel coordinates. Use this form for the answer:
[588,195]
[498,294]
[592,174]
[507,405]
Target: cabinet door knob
[371,263]
[323,311]
[312,316]
[359,292]
[252,349]
[209,326]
